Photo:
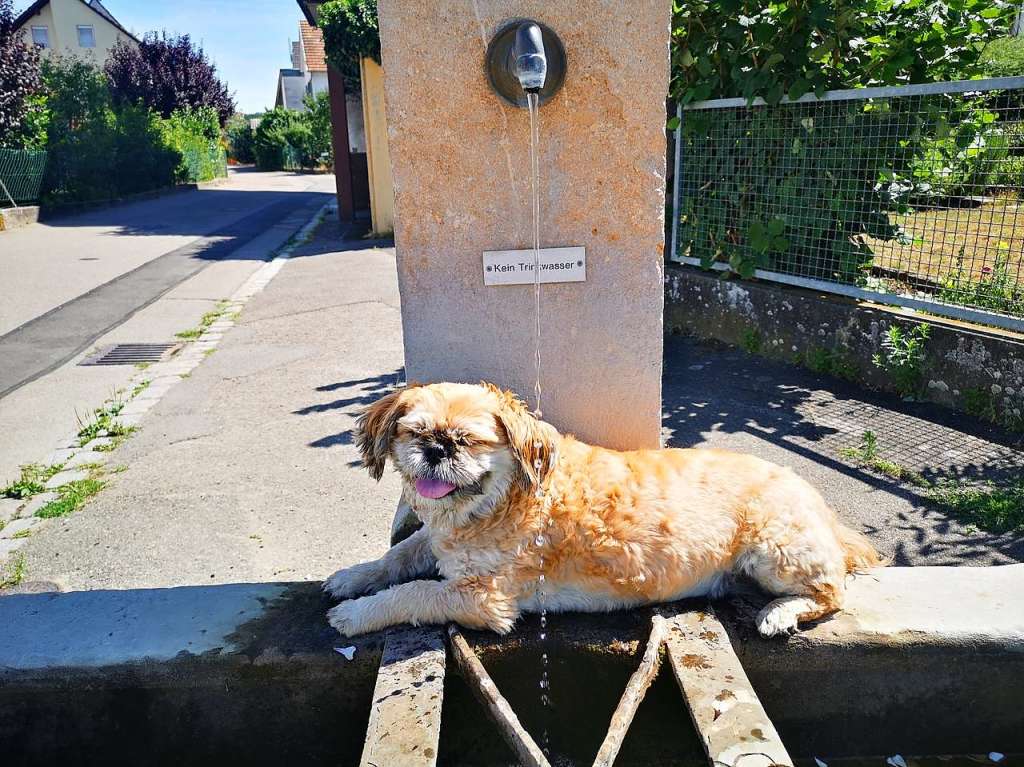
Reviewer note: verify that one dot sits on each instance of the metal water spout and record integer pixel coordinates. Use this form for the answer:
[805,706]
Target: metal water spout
[525,57]
[531,63]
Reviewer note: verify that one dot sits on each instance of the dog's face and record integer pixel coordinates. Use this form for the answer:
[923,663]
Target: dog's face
[459,447]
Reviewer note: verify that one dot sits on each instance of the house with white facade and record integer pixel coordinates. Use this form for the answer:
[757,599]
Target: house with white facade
[84,29]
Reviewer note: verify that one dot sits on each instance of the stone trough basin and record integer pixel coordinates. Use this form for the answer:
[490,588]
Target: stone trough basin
[924,661]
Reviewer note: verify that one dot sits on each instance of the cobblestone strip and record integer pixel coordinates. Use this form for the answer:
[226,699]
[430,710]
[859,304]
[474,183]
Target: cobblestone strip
[17,517]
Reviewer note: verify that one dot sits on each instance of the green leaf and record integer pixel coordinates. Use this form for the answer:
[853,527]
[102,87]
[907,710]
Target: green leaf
[673,123]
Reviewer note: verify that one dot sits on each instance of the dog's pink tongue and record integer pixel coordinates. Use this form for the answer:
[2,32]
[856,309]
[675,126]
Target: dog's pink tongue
[434,488]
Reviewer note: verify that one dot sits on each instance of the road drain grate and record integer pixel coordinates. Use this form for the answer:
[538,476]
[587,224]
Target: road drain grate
[129,354]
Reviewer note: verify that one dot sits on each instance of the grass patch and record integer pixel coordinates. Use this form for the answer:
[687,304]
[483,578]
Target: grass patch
[23,534]
[14,572]
[205,321]
[140,387]
[995,509]
[989,508]
[33,479]
[72,497]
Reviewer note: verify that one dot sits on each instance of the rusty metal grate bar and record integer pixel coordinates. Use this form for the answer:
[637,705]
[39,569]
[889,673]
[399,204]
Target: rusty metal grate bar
[129,354]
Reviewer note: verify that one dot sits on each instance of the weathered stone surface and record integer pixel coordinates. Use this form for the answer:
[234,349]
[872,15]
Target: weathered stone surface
[16,526]
[36,502]
[9,546]
[405,721]
[732,724]
[460,158]
[86,457]
[64,477]
[9,507]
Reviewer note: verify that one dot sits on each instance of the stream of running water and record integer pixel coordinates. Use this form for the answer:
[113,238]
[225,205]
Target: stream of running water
[542,497]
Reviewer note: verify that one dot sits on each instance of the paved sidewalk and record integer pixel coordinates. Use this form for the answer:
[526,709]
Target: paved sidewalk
[246,471]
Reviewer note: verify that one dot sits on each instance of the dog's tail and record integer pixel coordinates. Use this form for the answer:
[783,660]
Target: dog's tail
[859,551]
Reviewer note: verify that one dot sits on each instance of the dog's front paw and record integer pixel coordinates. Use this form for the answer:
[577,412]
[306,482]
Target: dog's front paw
[348,618]
[354,581]
[778,618]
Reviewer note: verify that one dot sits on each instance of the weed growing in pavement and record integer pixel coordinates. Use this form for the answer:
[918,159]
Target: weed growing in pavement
[140,387]
[988,507]
[751,340]
[102,422]
[867,455]
[23,534]
[830,362]
[902,356]
[33,479]
[205,321]
[13,573]
[72,497]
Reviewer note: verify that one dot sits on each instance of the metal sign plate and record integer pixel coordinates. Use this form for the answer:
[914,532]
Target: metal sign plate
[515,267]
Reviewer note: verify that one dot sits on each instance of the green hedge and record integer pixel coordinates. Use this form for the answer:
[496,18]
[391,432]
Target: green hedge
[99,152]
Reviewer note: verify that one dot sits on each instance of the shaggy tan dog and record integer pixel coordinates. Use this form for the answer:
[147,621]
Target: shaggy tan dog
[505,498]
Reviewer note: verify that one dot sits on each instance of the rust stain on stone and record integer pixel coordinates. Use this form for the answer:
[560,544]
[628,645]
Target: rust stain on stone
[690,660]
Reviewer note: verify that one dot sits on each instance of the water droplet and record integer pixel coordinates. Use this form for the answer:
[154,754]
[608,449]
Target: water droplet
[538,445]
[540,540]
[543,621]
[541,577]
[538,464]
[543,635]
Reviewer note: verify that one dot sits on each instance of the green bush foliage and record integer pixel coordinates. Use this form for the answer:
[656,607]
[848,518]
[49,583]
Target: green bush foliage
[350,33]
[240,139]
[98,152]
[289,140]
[19,84]
[800,189]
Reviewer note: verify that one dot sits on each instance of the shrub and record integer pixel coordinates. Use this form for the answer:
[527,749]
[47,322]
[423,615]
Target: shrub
[286,139]
[350,33]
[194,135]
[167,74]
[851,163]
[19,84]
[97,151]
[240,137]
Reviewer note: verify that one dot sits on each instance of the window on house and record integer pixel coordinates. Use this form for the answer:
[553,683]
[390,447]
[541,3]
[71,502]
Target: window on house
[41,36]
[86,38]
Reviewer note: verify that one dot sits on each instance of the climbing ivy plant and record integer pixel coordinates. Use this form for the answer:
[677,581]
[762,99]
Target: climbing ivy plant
[350,33]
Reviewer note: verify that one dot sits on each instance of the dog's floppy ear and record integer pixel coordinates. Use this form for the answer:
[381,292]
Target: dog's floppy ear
[376,427]
[531,440]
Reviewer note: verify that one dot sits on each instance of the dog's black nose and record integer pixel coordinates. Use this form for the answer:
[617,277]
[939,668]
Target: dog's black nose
[436,452]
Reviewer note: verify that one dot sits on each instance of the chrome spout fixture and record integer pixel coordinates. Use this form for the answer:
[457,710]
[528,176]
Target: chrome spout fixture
[531,63]
[525,57]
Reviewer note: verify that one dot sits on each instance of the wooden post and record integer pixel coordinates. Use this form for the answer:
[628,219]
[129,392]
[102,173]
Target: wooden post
[339,140]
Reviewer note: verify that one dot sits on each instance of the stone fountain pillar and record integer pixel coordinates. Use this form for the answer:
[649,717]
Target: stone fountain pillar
[460,161]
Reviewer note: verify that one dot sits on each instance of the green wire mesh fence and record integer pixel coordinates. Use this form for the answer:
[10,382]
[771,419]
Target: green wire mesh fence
[205,163]
[911,195]
[21,176]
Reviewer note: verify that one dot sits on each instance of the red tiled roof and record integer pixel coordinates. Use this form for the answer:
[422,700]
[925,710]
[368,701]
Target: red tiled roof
[313,46]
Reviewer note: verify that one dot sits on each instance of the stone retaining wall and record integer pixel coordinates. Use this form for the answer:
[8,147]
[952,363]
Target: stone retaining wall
[969,368]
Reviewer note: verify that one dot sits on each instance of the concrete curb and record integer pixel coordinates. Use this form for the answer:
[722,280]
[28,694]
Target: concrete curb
[15,218]
[922,660]
[155,381]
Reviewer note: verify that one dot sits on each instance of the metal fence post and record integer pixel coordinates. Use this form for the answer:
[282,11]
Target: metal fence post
[677,179]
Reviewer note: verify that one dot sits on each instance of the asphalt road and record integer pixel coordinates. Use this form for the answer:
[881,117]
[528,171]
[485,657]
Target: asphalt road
[70,281]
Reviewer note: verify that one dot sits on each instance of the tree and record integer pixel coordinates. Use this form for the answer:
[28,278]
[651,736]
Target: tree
[19,81]
[167,73]
[318,117]
[350,33]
